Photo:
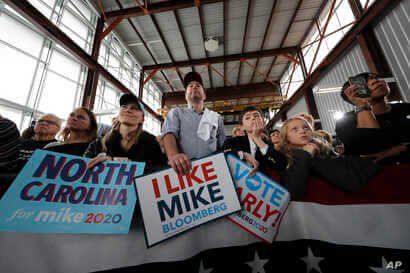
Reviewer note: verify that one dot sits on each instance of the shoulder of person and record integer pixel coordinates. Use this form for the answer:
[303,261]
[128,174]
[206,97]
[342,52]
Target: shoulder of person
[97,141]
[7,123]
[214,112]
[53,144]
[403,107]
[177,111]
[8,127]
[236,141]
[347,117]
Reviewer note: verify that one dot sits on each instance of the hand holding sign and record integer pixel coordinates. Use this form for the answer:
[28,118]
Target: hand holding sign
[171,203]
[180,163]
[251,160]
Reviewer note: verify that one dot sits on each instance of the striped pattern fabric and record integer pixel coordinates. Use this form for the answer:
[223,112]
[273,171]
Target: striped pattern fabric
[9,143]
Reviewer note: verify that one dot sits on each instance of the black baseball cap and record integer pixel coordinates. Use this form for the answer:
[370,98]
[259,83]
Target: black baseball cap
[128,98]
[192,76]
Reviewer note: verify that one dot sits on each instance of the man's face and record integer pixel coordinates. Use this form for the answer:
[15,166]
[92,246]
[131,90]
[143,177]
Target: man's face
[47,125]
[251,119]
[195,93]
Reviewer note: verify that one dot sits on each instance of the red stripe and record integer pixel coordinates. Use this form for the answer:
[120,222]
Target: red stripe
[391,186]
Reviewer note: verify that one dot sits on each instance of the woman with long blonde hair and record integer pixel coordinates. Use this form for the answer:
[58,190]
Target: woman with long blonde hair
[308,155]
[127,140]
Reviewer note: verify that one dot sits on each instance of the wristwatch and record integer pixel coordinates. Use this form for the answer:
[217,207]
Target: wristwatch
[362,108]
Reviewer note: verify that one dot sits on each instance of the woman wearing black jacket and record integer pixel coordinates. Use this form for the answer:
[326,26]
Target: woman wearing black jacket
[127,140]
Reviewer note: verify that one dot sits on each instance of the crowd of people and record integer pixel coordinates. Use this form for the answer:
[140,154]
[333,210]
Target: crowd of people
[375,133]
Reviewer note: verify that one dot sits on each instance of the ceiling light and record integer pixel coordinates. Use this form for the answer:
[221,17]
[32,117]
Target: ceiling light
[211,44]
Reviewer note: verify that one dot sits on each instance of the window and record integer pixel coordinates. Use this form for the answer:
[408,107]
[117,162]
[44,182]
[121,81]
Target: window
[366,3]
[339,23]
[39,75]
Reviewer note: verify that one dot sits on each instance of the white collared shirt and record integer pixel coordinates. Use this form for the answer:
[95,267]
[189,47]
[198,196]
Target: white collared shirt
[253,148]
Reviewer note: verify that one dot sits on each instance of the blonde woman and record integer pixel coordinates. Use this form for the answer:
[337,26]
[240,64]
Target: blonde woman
[310,156]
[127,140]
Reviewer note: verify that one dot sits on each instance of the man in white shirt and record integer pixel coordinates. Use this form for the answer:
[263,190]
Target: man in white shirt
[193,131]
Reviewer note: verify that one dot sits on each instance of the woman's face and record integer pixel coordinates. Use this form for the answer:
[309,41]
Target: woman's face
[131,115]
[298,132]
[275,137]
[78,120]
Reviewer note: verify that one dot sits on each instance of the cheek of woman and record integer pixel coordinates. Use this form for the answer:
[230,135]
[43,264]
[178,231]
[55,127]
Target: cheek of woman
[84,125]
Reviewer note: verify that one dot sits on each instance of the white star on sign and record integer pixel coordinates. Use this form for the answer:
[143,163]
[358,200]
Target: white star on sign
[312,262]
[257,264]
[384,268]
[202,269]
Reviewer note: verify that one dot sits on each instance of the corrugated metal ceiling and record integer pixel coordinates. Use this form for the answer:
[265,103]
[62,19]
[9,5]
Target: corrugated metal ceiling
[235,13]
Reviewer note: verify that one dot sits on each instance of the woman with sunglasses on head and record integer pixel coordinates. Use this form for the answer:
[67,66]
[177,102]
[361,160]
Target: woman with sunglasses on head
[127,140]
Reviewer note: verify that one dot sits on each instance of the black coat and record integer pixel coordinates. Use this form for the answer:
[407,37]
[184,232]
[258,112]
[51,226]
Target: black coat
[272,158]
[145,150]
[348,173]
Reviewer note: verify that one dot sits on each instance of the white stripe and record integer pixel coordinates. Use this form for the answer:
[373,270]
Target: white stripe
[377,225]
[381,225]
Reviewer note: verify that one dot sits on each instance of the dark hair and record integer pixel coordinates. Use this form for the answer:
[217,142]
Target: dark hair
[192,76]
[366,75]
[249,109]
[274,130]
[28,133]
[92,130]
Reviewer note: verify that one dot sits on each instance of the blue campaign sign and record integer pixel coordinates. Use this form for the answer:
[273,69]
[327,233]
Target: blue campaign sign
[264,201]
[57,193]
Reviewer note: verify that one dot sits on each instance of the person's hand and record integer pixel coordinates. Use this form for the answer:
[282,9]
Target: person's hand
[180,163]
[311,148]
[351,93]
[115,122]
[97,160]
[257,130]
[252,161]
[393,151]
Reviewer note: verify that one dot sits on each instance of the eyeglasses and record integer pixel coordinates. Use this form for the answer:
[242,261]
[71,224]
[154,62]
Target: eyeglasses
[48,122]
